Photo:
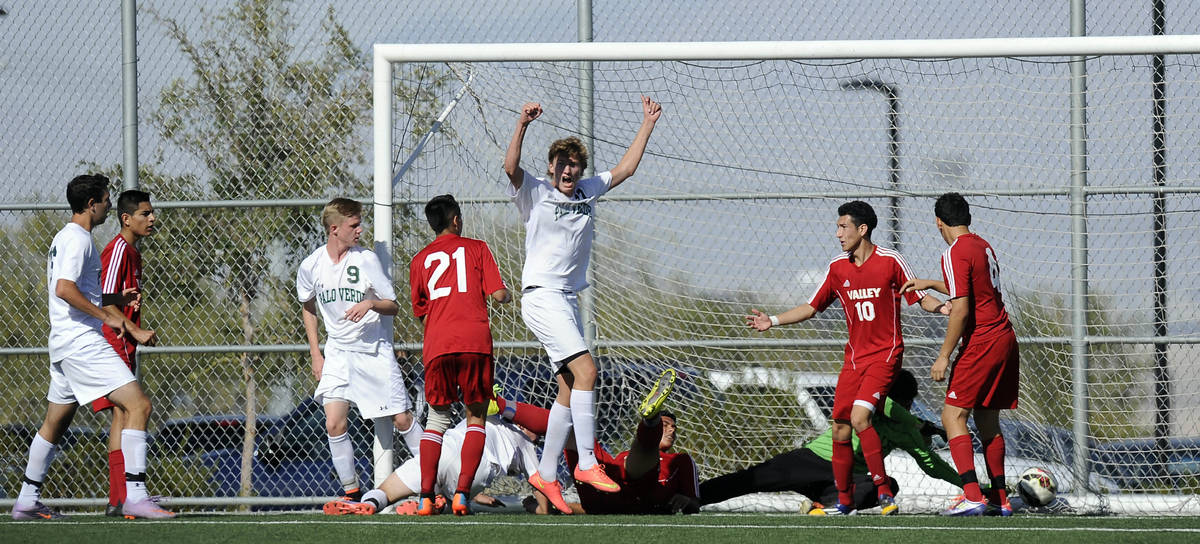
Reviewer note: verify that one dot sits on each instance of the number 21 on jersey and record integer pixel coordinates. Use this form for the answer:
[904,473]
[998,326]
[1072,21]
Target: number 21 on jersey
[441,261]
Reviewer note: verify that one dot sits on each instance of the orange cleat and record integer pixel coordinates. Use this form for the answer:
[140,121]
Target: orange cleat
[597,478]
[407,508]
[459,506]
[552,490]
[348,508]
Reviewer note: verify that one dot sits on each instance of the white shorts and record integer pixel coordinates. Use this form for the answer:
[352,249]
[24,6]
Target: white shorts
[553,316]
[93,371]
[372,381]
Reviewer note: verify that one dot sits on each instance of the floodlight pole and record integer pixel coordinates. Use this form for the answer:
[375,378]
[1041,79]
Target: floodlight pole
[890,94]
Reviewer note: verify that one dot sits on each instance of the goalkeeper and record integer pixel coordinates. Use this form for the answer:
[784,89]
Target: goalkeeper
[809,470]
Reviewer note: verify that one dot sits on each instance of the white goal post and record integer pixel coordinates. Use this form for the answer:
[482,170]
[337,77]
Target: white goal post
[1069,336]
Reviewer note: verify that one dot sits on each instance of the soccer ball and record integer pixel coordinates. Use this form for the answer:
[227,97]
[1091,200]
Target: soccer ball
[1036,487]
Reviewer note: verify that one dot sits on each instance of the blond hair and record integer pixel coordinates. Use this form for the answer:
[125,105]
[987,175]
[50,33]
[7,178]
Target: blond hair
[339,209]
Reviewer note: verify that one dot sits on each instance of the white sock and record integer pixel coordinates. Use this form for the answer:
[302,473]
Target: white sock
[342,451]
[557,431]
[41,453]
[583,415]
[412,438]
[133,447]
[378,497]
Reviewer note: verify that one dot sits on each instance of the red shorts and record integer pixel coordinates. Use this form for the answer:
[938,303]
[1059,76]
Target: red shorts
[986,374]
[865,385]
[446,374]
[126,350]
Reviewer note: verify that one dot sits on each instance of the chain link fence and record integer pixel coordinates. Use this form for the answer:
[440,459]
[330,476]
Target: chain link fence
[253,113]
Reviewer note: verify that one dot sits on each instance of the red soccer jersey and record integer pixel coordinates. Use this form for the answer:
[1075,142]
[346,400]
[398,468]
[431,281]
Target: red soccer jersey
[450,281]
[648,494]
[870,297]
[120,269]
[969,268]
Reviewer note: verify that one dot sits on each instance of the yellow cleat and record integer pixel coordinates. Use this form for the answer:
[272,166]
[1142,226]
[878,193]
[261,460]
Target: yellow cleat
[654,400]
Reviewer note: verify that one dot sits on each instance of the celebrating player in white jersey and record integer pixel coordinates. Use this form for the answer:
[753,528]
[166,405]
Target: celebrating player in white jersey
[83,366]
[357,302]
[559,215]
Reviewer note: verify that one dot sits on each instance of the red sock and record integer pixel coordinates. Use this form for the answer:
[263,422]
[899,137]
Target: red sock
[964,461]
[116,478]
[843,471]
[993,453]
[534,418]
[872,452]
[431,452]
[472,453]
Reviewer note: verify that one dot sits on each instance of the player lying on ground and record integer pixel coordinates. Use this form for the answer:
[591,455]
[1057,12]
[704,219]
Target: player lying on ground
[508,449]
[809,470]
[653,479]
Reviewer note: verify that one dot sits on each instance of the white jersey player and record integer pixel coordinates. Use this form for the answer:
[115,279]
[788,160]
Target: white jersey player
[346,284]
[559,216]
[83,365]
[508,450]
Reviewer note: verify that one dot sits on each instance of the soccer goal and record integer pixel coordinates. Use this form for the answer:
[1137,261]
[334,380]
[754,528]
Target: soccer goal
[1078,156]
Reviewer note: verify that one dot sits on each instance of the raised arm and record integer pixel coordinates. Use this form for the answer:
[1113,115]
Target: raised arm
[651,111]
[512,158]
[761,322]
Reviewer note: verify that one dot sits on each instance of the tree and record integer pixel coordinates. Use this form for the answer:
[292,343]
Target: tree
[267,121]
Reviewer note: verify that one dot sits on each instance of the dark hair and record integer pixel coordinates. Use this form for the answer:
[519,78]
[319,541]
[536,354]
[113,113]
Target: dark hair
[83,188]
[953,210]
[440,211]
[127,202]
[666,413]
[860,213]
[904,388]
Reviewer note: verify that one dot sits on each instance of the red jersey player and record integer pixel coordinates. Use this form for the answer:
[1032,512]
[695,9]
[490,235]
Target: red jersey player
[986,373]
[653,479]
[866,279]
[450,280]
[121,287]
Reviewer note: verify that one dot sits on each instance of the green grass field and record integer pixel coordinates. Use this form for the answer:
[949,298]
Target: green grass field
[700,529]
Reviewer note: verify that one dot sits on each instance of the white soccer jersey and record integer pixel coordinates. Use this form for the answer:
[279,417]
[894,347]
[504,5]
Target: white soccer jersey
[73,256]
[506,451]
[558,230]
[338,286]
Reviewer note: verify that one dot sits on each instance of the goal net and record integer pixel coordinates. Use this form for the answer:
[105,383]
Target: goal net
[734,207]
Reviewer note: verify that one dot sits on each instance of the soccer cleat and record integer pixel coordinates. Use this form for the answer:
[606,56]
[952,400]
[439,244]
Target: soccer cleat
[459,506]
[1003,509]
[597,478]
[147,509]
[836,510]
[113,511]
[37,512]
[431,507]
[348,508]
[552,490]
[654,400]
[887,505]
[353,495]
[966,507]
